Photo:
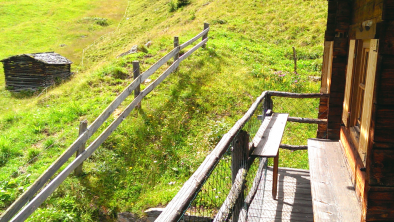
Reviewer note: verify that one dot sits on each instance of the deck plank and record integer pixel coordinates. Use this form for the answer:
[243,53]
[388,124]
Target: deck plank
[334,198]
[293,203]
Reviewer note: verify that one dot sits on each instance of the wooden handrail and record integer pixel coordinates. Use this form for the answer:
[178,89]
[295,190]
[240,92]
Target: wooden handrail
[182,199]
[41,181]
[179,204]
[298,95]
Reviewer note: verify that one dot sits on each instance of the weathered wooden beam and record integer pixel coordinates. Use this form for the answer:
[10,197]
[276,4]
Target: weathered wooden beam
[83,125]
[225,210]
[293,147]
[188,53]
[184,45]
[206,26]
[298,95]
[239,157]
[136,73]
[306,120]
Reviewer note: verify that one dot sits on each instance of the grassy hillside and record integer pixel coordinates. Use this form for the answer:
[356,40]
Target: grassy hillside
[249,51]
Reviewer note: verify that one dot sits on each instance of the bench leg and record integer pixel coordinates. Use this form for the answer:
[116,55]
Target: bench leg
[275,177]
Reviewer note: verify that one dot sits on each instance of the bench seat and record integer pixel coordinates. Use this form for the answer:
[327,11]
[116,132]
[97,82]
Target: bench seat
[267,141]
[333,194]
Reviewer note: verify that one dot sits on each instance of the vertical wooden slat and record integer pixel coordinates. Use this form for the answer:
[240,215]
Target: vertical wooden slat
[368,98]
[83,126]
[348,89]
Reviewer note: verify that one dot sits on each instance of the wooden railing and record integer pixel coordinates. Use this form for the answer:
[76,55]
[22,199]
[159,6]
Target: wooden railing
[86,133]
[182,200]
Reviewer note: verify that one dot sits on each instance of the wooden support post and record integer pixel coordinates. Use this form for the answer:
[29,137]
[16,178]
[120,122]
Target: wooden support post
[176,44]
[206,25]
[136,73]
[275,177]
[295,60]
[239,157]
[268,105]
[83,125]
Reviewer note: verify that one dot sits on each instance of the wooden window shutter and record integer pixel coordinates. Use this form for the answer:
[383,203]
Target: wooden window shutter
[349,77]
[327,66]
[368,98]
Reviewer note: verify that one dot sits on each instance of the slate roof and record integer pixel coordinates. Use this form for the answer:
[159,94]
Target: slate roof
[45,57]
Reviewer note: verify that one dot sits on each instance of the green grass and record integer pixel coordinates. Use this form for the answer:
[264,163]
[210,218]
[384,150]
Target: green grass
[181,121]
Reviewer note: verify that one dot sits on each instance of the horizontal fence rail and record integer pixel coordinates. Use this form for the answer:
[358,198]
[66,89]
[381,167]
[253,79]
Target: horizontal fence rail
[86,134]
[177,207]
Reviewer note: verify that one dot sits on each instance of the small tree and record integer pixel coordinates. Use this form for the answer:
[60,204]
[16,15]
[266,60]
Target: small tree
[182,3]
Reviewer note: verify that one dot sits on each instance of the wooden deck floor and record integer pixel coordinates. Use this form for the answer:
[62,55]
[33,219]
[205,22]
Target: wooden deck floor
[294,201]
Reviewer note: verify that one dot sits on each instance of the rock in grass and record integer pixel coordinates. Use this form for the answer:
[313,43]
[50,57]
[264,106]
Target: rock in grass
[133,49]
[128,217]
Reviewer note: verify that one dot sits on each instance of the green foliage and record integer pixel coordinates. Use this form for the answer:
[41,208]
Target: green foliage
[177,4]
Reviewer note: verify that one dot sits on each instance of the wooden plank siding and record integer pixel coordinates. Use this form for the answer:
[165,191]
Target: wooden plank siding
[338,22]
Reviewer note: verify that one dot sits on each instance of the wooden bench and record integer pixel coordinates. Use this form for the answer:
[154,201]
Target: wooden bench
[333,194]
[267,141]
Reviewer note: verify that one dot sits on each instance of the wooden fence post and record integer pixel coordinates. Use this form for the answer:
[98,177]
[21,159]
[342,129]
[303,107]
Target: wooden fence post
[239,157]
[83,125]
[176,44]
[295,60]
[267,105]
[136,73]
[206,25]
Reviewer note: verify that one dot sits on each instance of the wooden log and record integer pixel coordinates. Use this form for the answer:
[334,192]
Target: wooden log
[48,190]
[298,95]
[29,193]
[206,26]
[181,201]
[225,210]
[239,158]
[256,182]
[203,33]
[83,125]
[293,147]
[306,120]
[136,73]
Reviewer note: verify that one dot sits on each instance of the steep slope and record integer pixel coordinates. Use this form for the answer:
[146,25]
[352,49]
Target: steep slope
[250,42]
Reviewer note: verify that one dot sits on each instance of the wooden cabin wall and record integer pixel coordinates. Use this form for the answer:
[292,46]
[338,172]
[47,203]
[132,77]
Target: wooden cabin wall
[375,187]
[56,73]
[338,23]
[23,71]
[380,164]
